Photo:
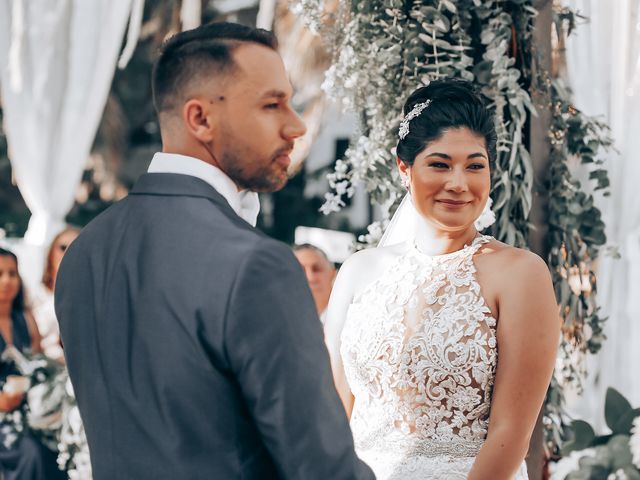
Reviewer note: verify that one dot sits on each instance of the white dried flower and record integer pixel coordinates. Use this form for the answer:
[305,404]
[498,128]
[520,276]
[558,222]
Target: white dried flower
[486,218]
[618,475]
[560,469]
[634,442]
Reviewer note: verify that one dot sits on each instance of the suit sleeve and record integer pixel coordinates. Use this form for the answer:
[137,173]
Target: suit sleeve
[274,345]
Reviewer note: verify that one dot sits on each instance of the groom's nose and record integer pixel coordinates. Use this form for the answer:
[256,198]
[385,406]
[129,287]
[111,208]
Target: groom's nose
[294,126]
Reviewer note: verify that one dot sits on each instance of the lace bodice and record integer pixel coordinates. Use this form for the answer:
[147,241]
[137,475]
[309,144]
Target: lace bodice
[419,351]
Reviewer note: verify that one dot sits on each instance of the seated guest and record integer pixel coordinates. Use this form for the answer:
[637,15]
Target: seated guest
[43,310]
[320,274]
[24,457]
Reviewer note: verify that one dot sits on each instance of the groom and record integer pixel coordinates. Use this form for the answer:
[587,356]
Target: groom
[191,338]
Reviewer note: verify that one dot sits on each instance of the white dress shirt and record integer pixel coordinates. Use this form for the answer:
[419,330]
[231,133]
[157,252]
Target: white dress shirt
[323,317]
[245,203]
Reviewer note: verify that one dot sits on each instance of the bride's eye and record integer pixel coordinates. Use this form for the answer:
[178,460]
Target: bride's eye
[476,166]
[438,165]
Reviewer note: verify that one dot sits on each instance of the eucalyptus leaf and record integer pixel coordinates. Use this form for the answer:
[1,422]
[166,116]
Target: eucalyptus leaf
[582,434]
[615,407]
[449,5]
[625,422]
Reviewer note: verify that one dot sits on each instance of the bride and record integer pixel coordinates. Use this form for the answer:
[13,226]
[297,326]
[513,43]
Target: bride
[443,345]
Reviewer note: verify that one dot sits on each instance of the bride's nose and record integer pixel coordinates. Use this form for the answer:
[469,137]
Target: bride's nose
[456,181]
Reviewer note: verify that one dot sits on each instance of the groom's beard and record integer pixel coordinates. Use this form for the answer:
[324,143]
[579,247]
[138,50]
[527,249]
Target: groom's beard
[257,175]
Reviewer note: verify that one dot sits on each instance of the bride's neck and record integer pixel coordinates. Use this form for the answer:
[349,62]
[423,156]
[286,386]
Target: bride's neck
[432,240]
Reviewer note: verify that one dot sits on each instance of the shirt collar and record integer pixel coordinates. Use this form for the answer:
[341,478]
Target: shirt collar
[245,203]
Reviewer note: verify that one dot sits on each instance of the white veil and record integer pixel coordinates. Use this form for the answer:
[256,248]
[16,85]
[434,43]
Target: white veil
[403,223]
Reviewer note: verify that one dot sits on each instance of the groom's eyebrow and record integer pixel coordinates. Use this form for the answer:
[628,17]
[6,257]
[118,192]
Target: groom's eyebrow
[275,94]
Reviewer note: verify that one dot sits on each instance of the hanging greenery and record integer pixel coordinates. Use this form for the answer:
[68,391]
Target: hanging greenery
[384,49]
[576,234]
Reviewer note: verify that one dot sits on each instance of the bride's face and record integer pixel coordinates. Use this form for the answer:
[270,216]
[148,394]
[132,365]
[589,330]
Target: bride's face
[450,179]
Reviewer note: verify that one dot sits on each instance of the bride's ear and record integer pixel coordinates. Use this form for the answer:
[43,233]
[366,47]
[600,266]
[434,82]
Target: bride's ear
[403,167]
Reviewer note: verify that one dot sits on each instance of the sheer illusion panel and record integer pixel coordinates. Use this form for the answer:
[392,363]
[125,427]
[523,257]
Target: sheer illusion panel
[419,350]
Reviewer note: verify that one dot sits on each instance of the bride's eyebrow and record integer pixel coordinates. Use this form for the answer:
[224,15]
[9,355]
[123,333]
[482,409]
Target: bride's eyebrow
[439,155]
[444,156]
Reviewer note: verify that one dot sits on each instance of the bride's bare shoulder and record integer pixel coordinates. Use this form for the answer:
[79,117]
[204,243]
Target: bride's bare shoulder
[498,256]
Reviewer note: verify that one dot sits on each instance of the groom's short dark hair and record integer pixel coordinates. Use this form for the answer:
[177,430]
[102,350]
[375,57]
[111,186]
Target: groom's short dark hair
[206,50]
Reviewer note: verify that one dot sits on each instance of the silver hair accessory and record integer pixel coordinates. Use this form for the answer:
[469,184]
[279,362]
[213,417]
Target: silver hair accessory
[415,112]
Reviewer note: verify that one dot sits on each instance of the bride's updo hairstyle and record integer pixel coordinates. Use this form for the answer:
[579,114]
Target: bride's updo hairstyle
[452,103]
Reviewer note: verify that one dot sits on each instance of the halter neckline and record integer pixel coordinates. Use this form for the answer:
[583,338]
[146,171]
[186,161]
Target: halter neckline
[477,241]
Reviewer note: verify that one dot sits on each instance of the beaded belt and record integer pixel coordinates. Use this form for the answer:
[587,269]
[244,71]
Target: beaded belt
[408,446]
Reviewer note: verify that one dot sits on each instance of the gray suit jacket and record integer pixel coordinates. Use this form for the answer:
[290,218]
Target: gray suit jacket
[193,345]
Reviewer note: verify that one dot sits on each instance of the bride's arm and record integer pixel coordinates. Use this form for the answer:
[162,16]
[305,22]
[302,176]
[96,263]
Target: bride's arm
[341,297]
[528,332]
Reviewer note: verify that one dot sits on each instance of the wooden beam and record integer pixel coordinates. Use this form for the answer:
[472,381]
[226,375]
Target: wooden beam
[539,149]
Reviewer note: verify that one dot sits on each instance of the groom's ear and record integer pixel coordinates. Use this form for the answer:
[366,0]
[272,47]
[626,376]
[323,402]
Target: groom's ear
[200,116]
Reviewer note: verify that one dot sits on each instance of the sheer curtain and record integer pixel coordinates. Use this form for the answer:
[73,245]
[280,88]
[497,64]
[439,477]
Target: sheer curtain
[603,60]
[57,59]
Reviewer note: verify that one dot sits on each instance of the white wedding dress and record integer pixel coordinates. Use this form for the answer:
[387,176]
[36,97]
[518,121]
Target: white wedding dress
[419,351]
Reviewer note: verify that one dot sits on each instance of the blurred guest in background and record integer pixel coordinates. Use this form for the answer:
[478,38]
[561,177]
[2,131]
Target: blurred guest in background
[320,272]
[43,309]
[22,457]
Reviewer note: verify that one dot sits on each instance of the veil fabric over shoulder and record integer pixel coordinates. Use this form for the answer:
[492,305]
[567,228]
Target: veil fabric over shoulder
[402,225]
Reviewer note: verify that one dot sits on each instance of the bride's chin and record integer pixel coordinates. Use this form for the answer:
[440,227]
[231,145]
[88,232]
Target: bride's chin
[447,222]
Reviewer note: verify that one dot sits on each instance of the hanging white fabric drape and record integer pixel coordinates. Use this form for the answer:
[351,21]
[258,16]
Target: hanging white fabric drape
[603,60]
[266,14]
[57,59]
[190,14]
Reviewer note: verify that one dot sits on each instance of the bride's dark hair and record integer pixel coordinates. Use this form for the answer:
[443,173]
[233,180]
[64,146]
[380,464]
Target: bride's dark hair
[454,103]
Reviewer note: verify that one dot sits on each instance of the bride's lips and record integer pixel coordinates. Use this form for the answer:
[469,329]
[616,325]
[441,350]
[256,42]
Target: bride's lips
[453,204]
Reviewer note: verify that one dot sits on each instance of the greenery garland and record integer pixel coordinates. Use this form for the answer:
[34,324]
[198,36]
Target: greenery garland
[576,235]
[384,49]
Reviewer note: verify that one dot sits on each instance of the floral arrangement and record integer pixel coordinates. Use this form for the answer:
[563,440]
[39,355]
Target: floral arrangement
[39,412]
[73,449]
[576,233]
[614,456]
[49,412]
